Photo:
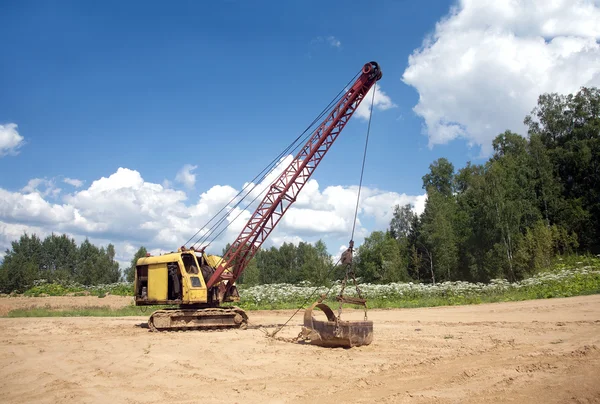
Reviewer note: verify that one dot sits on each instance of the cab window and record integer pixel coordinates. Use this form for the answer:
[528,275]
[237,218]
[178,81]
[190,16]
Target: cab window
[195,282]
[190,264]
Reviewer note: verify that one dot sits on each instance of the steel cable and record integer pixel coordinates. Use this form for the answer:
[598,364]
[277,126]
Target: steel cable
[353,226]
[265,172]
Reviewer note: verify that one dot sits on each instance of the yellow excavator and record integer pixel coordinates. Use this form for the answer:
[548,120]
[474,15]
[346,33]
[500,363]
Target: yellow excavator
[199,283]
[179,278]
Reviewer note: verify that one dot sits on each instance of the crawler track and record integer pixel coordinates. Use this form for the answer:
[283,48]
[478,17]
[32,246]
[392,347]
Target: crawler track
[198,319]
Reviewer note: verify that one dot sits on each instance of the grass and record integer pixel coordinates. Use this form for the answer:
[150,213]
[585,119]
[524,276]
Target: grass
[564,280]
[84,312]
[551,291]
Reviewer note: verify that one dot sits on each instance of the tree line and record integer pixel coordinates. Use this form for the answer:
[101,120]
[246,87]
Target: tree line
[56,259]
[535,198]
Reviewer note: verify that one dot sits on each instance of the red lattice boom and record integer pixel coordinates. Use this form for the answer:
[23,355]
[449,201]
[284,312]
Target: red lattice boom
[283,191]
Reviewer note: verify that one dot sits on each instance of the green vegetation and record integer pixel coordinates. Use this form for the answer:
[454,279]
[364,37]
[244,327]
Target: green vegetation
[56,259]
[565,279]
[289,264]
[85,312]
[535,199]
[581,279]
[43,288]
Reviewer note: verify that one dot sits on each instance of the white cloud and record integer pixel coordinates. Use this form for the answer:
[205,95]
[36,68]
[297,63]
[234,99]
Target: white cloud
[186,176]
[482,70]
[10,140]
[73,182]
[33,184]
[10,232]
[128,211]
[331,212]
[314,221]
[42,186]
[381,102]
[329,40]
[333,41]
[278,241]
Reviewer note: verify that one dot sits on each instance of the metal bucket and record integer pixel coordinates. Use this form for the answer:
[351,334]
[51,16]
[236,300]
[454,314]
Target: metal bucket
[335,333]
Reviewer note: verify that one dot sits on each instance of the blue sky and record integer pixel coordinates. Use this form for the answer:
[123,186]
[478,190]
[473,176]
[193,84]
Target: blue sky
[94,87]
[224,86]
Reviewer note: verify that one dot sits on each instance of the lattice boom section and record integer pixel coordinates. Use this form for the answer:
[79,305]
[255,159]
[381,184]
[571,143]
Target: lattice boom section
[284,190]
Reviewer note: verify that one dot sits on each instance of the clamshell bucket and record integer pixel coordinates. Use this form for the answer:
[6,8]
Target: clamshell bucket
[335,333]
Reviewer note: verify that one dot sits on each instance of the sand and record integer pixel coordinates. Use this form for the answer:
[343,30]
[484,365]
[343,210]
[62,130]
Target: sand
[523,352]
[59,302]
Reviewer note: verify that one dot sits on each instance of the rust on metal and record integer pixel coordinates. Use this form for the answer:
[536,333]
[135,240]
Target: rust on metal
[335,332]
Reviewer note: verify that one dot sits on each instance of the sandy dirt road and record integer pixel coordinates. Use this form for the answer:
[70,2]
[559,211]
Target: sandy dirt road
[527,352]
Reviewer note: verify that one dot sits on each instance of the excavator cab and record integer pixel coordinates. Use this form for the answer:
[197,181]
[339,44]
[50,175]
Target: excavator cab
[173,278]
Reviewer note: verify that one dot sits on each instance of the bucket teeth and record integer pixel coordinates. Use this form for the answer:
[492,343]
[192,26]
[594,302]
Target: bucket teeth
[333,332]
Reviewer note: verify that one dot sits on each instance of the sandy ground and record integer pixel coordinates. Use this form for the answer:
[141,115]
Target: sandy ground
[58,302]
[527,352]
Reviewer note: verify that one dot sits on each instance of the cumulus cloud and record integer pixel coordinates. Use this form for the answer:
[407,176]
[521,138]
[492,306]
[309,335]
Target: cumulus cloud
[186,176]
[331,211]
[483,68]
[73,182]
[10,140]
[10,232]
[128,211]
[381,102]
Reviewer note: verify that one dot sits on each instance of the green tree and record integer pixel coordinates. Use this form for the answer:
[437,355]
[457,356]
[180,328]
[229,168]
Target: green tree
[251,275]
[509,200]
[438,234]
[287,263]
[440,177]
[534,249]
[59,254]
[87,263]
[268,263]
[569,128]
[315,263]
[379,259]
[130,271]
[473,229]
[402,220]
[108,269]
[21,264]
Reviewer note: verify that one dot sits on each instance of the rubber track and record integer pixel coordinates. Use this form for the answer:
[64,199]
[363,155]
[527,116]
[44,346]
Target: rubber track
[208,312]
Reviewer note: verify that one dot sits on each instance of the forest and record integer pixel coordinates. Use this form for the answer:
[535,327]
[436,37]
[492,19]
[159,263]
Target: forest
[56,259]
[536,198]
